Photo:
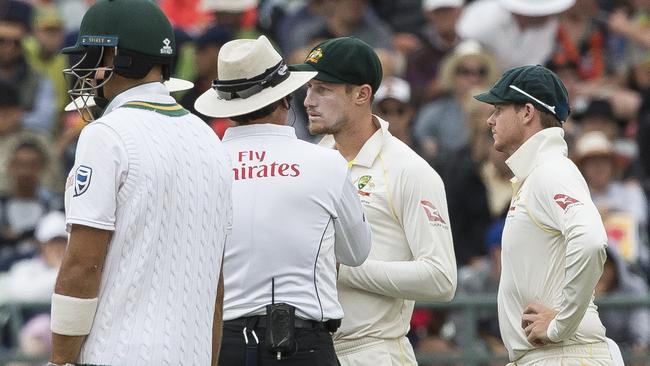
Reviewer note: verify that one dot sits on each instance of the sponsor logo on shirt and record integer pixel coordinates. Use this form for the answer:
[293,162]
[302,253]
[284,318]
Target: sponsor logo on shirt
[513,206]
[565,201]
[253,165]
[432,212]
[365,185]
[82,179]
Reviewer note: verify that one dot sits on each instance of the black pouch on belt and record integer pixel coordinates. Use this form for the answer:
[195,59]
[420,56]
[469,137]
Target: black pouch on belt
[280,328]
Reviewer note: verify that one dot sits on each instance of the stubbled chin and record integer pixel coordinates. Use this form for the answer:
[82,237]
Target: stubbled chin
[315,128]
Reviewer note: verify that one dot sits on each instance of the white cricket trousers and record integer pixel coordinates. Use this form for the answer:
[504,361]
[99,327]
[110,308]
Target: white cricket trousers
[375,352]
[593,354]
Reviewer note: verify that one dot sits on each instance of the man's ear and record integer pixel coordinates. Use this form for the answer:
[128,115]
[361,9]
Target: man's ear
[363,94]
[529,111]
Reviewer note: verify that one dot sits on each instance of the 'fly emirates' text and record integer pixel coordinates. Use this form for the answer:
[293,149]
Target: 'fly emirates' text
[262,169]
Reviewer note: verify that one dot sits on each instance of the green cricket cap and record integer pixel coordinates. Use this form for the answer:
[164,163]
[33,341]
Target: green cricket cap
[344,60]
[134,25]
[530,84]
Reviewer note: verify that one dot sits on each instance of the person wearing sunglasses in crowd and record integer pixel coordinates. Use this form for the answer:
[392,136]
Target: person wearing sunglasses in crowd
[440,129]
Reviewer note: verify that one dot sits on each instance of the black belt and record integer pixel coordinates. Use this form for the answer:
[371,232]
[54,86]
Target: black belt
[260,321]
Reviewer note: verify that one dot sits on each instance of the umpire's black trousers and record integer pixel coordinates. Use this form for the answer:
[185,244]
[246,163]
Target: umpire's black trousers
[314,346]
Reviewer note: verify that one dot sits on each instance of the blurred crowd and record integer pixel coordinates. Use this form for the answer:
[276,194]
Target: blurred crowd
[436,54]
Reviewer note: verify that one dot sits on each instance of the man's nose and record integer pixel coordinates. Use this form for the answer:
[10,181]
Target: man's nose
[307,102]
[490,121]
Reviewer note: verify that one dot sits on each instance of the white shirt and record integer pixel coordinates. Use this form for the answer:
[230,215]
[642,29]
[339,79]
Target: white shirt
[496,28]
[553,246]
[295,215]
[412,256]
[157,177]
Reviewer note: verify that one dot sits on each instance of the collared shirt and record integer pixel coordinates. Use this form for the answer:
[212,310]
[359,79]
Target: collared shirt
[159,179]
[295,216]
[553,246]
[412,255]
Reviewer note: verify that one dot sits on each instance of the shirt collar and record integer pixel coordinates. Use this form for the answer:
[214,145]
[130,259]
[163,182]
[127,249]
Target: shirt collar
[535,150]
[259,129]
[370,149]
[149,92]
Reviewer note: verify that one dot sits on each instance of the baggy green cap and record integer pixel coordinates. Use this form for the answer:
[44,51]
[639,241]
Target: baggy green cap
[530,84]
[344,60]
[134,25]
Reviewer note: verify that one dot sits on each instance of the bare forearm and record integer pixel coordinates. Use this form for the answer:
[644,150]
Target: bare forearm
[79,277]
[65,348]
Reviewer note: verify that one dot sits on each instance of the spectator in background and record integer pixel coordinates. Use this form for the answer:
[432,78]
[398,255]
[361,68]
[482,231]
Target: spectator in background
[208,45]
[347,18]
[581,40]
[634,29]
[35,339]
[36,91]
[517,32]
[25,204]
[304,16]
[468,190]
[622,205]
[239,17]
[403,16]
[74,11]
[599,116]
[187,15]
[629,328]
[393,103]
[12,133]
[440,128]
[434,333]
[32,279]
[42,51]
[437,38]
[642,138]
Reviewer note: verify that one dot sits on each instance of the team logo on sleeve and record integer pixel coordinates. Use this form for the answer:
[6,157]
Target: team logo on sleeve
[432,212]
[564,201]
[82,179]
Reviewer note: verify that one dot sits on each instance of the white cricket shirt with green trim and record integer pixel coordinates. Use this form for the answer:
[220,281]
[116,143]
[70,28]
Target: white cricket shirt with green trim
[159,179]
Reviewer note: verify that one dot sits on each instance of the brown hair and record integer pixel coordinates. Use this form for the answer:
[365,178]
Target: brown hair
[547,119]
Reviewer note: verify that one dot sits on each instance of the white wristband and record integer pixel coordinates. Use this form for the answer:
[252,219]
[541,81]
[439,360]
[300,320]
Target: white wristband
[72,316]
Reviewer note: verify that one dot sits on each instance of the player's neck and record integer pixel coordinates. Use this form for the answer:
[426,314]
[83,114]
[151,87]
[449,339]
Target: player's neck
[277,117]
[118,84]
[351,139]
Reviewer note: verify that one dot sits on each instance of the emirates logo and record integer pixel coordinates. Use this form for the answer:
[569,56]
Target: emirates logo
[564,201]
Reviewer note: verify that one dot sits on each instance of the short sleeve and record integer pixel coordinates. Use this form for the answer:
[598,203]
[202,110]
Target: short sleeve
[99,170]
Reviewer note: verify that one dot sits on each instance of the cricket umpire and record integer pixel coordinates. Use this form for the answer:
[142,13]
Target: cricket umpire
[296,216]
[553,245]
[148,205]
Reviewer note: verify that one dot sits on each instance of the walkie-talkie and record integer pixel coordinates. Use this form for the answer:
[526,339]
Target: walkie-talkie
[280,326]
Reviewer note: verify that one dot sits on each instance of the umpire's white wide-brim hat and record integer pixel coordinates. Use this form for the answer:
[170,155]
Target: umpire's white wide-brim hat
[536,8]
[253,68]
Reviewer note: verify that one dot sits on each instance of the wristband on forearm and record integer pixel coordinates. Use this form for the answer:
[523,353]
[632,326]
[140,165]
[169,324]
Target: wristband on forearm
[72,316]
